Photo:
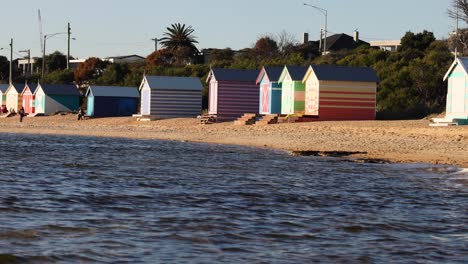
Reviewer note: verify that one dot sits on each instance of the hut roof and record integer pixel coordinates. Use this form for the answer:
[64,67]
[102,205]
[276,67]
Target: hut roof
[18,87]
[32,87]
[233,75]
[4,87]
[463,61]
[273,73]
[59,89]
[296,72]
[174,83]
[113,91]
[344,73]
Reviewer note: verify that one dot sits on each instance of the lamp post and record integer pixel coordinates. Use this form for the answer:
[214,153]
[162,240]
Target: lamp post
[46,37]
[325,13]
[29,61]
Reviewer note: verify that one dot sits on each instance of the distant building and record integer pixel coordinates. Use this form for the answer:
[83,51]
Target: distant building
[337,42]
[390,45]
[26,66]
[125,59]
[74,63]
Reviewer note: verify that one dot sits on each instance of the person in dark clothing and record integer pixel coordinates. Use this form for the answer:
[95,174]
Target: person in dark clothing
[21,114]
[80,114]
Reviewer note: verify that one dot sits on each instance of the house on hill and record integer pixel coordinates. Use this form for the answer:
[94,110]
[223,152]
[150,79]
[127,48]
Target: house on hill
[28,98]
[457,93]
[232,93]
[170,97]
[292,90]
[108,101]
[343,41]
[270,90]
[52,98]
[340,93]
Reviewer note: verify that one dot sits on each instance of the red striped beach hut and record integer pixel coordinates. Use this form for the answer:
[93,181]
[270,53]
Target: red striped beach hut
[232,93]
[340,93]
[28,98]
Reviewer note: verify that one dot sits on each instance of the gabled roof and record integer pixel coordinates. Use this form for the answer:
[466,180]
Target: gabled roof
[273,73]
[125,57]
[343,73]
[296,72]
[4,87]
[32,87]
[18,87]
[59,89]
[463,61]
[113,91]
[233,75]
[173,83]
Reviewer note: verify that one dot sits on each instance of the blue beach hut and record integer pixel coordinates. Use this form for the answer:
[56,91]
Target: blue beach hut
[270,90]
[108,101]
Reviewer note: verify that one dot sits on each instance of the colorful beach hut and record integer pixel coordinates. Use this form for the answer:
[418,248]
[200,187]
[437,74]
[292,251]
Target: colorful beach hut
[457,92]
[3,89]
[52,98]
[341,93]
[107,101]
[292,90]
[14,98]
[232,93]
[171,97]
[270,90]
[28,98]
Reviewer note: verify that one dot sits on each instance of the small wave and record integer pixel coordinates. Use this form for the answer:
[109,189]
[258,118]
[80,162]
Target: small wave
[462,171]
[68,229]
[21,234]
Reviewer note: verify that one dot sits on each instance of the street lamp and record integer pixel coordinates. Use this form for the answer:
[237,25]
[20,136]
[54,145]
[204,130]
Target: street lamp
[46,37]
[325,13]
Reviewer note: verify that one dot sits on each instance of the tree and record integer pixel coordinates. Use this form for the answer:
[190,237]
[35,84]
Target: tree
[160,57]
[286,42]
[90,69]
[459,42]
[113,74]
[265,47]
[4,68]
[419,42]
[461,10]
[59,77]
[179,40]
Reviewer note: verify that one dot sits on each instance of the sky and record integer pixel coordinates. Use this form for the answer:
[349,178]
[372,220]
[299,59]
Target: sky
[105,28]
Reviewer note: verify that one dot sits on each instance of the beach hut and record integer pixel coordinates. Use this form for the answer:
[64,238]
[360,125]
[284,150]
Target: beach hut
[14,99]
[28,98]
[3,89]
[232,93]
[340,93]
[171,97]
[270,90]
[292,90]
[457,93]
[52,98]
[107,101]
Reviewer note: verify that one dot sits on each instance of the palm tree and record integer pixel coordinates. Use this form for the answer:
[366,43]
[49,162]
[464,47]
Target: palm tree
[180,41]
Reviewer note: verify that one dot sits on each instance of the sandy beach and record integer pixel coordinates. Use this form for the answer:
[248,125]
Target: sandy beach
[406,141]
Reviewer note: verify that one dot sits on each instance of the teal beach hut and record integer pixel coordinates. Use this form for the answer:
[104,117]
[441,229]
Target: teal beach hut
[270,90]
[457,92]
[3,89]
[52,98]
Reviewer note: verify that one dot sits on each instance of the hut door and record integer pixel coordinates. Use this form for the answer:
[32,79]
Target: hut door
[145,101]
[265,99]
[40,102]
[90,110]
[458,95]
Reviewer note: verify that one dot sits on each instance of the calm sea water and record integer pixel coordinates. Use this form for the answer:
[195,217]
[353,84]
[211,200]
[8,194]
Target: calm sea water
[98,200]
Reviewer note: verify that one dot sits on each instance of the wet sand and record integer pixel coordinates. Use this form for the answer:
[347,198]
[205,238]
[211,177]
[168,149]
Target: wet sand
[406,141]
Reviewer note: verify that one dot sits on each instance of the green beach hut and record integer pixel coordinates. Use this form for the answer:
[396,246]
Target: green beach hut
[293,90]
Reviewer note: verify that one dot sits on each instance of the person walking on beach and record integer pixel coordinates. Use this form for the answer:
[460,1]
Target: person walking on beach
[80,114]
[21,114]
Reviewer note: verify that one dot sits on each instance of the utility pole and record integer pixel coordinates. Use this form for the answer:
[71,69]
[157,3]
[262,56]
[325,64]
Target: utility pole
[43,57]
[11,62]
[155,43]
[68,52]
[320,41]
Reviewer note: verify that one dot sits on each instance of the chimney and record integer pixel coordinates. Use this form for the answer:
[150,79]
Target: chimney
[306,38]
[356,36]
